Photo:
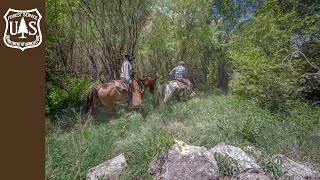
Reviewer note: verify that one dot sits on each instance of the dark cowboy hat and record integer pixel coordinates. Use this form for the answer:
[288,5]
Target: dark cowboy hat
[129,55]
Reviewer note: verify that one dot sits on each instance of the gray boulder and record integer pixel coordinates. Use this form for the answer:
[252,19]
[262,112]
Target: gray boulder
[296,171]
[245,162]
[252,151]
[252,176]
[107,170]
[184,162]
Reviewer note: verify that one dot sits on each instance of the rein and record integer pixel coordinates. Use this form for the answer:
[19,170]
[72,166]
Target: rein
[142,86]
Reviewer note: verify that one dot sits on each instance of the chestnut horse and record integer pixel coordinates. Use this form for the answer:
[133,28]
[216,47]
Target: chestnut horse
[174,88]
[108,94]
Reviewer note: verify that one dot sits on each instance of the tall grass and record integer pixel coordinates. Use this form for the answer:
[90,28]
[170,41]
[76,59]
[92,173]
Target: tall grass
[200,121]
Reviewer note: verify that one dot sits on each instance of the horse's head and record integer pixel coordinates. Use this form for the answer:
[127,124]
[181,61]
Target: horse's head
[190,92]
[148,82]
[136,94]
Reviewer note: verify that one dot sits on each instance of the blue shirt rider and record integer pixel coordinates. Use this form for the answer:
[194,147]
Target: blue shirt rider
[178,71]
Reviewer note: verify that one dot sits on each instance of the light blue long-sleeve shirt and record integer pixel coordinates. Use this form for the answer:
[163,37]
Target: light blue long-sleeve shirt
[126,71]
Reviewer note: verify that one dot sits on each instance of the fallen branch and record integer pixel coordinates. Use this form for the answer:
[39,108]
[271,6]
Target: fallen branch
[296,53]
[308,75]
[315,103]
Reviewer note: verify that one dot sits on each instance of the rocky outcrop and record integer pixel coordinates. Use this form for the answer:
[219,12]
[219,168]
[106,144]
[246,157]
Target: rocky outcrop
[185,162]
[252,151]
[252,176]
[107,170]
[296,171]
[245,162]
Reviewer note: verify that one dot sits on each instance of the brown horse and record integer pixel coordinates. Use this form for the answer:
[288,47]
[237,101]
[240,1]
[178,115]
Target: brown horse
[116,91]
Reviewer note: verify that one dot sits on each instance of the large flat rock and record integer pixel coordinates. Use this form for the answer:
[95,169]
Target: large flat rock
[107,170]
[245,162]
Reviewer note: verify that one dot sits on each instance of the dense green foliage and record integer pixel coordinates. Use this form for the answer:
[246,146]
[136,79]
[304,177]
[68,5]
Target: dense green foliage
[258,53]
[201,121]
[70,95]
[249,43]
[265,53]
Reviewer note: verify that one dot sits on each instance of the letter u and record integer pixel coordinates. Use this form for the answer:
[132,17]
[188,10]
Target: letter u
[13,33]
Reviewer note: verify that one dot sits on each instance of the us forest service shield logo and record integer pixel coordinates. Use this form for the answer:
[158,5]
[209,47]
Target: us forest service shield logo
[22,29]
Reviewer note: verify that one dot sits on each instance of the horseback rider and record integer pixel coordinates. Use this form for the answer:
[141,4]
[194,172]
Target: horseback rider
[126,73]
[179,73]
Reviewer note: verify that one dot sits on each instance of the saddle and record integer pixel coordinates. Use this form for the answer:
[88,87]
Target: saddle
[121,86]
[183,83]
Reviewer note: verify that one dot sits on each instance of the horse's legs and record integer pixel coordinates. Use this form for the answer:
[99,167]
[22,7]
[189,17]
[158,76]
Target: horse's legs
[168,93]
[127,106]
[110,109]
[90,113]
[142,112]
[160,101]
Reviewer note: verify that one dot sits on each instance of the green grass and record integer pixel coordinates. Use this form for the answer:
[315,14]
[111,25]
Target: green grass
[203,121]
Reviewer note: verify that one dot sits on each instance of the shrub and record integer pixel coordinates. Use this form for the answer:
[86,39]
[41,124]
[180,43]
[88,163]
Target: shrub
[68,94]
[227,165]
[272,166]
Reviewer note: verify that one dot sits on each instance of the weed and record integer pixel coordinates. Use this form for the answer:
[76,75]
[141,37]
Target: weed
[227,165]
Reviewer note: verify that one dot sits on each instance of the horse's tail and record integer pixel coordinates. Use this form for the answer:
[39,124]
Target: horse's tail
[92,95]
[160,95]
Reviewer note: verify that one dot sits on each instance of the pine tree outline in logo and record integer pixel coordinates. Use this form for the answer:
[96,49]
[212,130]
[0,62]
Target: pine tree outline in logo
[23,28]
[35,26]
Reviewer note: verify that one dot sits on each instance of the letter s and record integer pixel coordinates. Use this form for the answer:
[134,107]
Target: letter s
[33,27]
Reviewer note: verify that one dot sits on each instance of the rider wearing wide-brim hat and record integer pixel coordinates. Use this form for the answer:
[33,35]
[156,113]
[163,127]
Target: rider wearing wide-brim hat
[126,68]
[179,73]
[126,72]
